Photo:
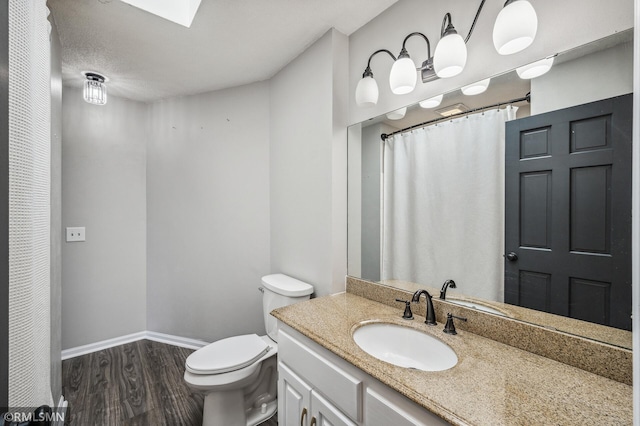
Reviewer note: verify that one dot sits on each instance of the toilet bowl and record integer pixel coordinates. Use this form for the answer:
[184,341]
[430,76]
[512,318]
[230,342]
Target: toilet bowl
[238,375]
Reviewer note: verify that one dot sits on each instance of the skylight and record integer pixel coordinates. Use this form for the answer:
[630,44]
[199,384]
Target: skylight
[179,11]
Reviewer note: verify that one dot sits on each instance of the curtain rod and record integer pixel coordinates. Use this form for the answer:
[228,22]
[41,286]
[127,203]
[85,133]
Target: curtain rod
[527,98]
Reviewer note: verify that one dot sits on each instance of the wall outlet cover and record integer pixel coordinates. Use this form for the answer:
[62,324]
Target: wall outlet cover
[75,234]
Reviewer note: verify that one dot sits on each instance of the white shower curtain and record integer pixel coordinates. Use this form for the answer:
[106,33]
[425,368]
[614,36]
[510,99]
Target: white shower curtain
[443,202]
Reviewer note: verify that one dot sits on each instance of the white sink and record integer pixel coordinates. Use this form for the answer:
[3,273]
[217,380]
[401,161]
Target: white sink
[405,347]
[475,305]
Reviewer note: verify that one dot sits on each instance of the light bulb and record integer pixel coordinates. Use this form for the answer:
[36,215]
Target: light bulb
[403,76]
[367,92]
[431,102]
[450,56]
[476,88]
[515,27]
[535,69]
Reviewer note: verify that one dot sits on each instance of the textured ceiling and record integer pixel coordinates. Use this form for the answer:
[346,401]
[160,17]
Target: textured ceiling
[230,43]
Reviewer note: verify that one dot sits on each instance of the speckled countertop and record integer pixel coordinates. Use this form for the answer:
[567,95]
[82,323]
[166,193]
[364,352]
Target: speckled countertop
[492,384]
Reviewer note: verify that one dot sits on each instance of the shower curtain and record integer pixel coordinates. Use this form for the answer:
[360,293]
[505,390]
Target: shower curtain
[29,204]
[443,214]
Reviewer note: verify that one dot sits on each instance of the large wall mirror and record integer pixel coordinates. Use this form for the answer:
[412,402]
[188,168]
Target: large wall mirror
[474,198]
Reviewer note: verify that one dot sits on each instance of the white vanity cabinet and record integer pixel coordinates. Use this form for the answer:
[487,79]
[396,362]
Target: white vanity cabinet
[318,388]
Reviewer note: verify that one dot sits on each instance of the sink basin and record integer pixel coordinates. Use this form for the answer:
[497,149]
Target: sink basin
[475,305]
[405,347]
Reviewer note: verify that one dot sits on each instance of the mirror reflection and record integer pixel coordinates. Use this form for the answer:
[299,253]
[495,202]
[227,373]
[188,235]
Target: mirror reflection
[549,243]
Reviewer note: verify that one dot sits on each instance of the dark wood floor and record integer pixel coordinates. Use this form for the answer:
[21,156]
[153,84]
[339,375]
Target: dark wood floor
[140,383]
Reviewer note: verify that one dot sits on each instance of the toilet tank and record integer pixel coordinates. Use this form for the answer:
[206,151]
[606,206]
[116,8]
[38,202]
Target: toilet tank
[281,290]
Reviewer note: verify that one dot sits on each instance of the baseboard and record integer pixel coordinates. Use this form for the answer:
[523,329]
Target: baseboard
[184,342]
[169,339]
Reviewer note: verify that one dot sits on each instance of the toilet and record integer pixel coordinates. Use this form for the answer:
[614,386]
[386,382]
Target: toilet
[238,375]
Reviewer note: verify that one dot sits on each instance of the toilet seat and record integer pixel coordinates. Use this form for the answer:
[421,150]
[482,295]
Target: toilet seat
[226,355]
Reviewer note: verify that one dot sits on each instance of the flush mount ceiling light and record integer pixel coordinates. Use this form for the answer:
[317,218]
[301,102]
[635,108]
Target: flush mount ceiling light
[179,11]
[431,102]
[95,91]
[452,110]
[476,88]
[535,69]
[397,114]
[515,27]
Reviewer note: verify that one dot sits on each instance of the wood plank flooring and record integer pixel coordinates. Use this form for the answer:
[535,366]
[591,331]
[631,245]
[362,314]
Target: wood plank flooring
[140,383]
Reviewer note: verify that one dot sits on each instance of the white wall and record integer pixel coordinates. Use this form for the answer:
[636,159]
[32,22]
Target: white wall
[103,189]
[308,165]
[601,75]
[561,25]
[208,212]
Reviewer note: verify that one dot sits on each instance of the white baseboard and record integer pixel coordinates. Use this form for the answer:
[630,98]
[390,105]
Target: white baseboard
[183,342]
[169,339]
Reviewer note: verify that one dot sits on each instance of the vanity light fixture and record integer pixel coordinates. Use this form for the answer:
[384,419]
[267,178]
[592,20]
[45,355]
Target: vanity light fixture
[367,89]
[476,88]
[95,91]
[431,102]
[515,27]
[451,52]
[535,69]
[397,114]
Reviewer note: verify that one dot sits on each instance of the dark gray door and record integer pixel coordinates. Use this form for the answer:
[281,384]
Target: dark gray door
[568,212]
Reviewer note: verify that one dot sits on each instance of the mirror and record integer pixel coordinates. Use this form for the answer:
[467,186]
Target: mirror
[599,70]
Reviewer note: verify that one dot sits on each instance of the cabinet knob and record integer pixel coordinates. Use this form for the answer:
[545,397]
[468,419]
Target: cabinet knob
[303,415]
[512,257]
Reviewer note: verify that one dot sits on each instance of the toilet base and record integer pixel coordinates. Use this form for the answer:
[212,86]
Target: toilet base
[228,409]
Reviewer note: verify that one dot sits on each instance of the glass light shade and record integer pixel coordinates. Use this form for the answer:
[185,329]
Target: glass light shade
[403,76]
[397,114]
[535,69]
[367,92]
[450,56]
[515,27]
[95,92]
[431,102]
[476,88]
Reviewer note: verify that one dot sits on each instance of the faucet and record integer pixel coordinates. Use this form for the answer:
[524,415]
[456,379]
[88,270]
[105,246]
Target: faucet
[443,291]
[431,315]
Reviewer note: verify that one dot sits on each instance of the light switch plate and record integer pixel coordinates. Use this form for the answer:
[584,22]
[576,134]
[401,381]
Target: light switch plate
[75,234]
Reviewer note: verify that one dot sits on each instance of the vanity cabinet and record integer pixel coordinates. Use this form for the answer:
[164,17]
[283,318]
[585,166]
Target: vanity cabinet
[318,388]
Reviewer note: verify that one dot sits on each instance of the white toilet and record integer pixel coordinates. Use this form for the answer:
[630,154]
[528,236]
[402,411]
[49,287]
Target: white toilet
[238,375]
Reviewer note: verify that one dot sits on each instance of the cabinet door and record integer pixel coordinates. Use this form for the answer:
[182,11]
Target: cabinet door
[323,413]
[294,398]
[388,408]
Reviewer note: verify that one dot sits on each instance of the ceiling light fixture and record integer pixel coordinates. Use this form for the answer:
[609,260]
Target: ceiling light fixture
[535,69]
[515,28]
[95,91]
[452,110]
[450,56]
[431,102]
[476,88]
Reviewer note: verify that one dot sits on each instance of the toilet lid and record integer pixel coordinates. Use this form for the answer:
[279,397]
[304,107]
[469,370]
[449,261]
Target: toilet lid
[232,353]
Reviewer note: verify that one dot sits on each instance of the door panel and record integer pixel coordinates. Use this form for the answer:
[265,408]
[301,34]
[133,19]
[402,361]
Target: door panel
[568,212]
[294,398]
[326,414]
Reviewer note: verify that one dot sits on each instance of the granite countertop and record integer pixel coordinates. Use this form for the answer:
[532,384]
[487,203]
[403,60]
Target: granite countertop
[492,384]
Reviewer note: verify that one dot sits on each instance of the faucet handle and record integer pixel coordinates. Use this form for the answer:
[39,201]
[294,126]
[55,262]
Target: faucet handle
[408,315]
[449,327]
